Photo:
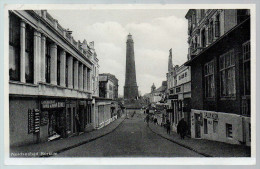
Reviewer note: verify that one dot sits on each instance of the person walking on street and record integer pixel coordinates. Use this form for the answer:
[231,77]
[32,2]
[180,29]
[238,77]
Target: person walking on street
[182,128]
[147,119]
[77,124]
[168,127]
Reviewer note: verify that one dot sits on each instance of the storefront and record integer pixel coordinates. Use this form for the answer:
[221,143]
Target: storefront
[53,114]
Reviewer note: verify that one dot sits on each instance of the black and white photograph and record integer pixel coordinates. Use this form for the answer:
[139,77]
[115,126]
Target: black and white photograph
[130,82]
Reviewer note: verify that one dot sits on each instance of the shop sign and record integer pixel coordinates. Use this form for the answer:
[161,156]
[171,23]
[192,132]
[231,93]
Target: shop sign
[49,104]
[173,96]
[210,115]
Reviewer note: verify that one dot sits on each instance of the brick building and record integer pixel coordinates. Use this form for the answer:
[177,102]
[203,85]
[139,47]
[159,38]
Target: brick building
[219,56]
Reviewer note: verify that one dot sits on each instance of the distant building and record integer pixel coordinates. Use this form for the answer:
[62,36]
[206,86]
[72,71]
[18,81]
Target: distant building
[179,95]
[108,86]
[157,95]
[219,56]
[105,104]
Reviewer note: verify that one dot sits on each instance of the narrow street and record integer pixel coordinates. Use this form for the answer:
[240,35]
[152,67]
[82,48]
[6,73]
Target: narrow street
[131,139]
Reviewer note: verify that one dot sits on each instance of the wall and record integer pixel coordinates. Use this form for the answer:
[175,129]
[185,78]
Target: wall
[196,86]
[222,119]
[230,19]
[18,115]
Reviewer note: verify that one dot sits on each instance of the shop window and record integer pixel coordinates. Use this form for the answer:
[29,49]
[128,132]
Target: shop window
[205,126]
[48,62]
[227,74]
[229,133]
[68,118]
[246,68]
[217,26]
[209,80]
[215,126]
[14,48]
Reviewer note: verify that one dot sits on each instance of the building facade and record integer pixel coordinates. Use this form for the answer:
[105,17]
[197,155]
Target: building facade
[106,105]
[179,97]
[219,56]
[108,86]
[50,92]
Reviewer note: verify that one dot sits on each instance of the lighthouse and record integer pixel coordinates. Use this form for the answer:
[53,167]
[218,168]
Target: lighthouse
[130,88]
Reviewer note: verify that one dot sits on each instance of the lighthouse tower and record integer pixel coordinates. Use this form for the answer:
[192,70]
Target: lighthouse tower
[130,88]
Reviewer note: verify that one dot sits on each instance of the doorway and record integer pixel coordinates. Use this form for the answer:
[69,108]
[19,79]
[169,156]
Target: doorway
[197,126]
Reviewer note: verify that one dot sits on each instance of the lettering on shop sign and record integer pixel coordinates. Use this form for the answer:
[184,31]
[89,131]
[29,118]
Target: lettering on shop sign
[49,104]
[211,115]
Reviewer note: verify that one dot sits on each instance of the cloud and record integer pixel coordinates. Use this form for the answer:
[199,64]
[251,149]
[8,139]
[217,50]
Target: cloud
[152,40]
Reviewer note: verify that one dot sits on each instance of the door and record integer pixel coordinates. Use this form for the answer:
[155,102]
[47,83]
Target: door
[197,126]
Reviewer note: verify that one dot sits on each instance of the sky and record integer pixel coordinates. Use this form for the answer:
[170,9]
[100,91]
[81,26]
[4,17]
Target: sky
[154,31]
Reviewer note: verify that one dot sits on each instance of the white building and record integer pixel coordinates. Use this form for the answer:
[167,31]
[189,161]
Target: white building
[49,79]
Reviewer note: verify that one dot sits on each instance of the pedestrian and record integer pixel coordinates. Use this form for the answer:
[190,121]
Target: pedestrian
[147,119]
[155,121]
[77,124]
[168,127]
[182,128]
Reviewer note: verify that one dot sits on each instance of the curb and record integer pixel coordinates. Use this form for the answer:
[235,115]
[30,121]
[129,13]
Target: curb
[180,144]
[81,143]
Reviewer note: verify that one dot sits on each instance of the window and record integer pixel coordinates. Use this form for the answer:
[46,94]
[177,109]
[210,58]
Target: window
[215,126]
[58,65]
[209,80]
[202,13]
[203,38]
[227,74]
[205,126]
[217,26]
[178,89]
[210,32]
[29,34]
[73,71]
[14,48]
[67,72]
[48,62]
[246,68]
[229,130]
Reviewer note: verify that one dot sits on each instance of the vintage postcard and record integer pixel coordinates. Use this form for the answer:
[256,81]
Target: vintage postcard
[130,84]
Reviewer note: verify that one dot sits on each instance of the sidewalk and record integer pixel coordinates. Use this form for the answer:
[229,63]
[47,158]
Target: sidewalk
[47,149]
[204,147]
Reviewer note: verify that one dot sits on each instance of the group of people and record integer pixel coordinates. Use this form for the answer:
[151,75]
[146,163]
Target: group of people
[182,128]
